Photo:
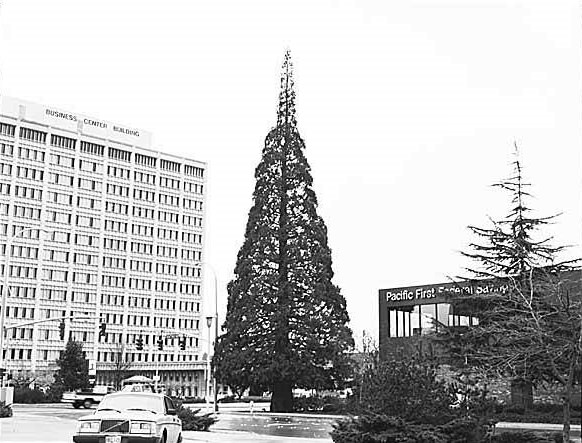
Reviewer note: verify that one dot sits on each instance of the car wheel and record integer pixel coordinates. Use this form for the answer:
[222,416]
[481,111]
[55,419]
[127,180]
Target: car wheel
[87,403]
[76,405]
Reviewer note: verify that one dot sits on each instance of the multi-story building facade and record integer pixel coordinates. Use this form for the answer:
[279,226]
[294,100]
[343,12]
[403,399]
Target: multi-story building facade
[93,223]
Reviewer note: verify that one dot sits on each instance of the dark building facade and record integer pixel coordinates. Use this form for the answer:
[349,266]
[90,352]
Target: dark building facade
[410,315]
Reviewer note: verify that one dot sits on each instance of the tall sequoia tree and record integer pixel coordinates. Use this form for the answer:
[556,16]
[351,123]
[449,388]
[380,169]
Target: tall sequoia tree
[286,323]
[529,328]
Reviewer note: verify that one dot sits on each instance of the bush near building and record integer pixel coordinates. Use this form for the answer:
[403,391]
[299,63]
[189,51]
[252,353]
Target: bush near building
[191,421]
[5,411]
[29,396]
[404,401]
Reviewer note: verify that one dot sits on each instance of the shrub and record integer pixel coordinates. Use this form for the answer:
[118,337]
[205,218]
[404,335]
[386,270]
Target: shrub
[54,393]
[193,422]
[5,411]
[539,413]
[29,396]
[525,437]
[376,428]
[191,400]
[326,403]
[464,430]
[408,389]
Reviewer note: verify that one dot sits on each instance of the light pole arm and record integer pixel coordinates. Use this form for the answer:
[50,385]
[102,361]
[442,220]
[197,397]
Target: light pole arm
[21,325]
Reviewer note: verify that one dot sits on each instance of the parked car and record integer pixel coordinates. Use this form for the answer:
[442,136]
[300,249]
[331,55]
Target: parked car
[87,397]
[131,417]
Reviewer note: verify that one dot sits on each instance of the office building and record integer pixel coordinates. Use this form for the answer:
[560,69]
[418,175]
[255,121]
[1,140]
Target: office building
[96,224]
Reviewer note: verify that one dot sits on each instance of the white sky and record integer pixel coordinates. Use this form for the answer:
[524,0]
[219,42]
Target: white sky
[409,110]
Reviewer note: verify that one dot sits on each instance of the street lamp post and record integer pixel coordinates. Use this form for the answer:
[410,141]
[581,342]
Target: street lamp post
[5,287]
[208,370]
[215,331]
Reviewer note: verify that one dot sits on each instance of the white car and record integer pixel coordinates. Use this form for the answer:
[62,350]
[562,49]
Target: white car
[131,417]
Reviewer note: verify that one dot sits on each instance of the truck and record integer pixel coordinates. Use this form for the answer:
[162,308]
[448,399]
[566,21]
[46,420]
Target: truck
[87,397]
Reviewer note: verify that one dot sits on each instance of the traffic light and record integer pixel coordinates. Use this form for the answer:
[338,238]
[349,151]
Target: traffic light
[102,328]
[139,343]
[183,343]
[161,343]
[62,330]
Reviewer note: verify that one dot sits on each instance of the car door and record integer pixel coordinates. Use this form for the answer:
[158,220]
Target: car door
[173,422]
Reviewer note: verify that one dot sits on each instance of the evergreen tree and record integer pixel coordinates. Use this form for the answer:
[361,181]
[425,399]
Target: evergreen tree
[73,372]
[286,323]
[529,328]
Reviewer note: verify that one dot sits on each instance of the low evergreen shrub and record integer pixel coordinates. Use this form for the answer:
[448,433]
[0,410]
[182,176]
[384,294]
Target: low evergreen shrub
[384,429]
[191,421]
[5,411]
[464,430]
[525,437]
[29,396]
[539,413]
[191,400]
[328,404]
[54,394]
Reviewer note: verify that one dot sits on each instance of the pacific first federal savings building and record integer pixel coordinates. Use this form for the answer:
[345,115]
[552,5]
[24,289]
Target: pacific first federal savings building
[409,313]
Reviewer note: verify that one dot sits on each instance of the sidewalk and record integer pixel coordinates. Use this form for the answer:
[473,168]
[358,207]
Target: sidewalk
[244,437]
[575,430]
[224,436]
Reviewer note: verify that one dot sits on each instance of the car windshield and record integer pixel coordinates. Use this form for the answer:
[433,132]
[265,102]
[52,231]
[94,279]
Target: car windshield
[132,401]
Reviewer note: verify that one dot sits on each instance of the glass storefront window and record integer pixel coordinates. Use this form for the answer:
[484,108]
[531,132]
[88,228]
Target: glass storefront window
[428,324]
[425,319]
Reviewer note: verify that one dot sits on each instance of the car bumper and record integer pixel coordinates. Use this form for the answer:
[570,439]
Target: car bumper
[128,438]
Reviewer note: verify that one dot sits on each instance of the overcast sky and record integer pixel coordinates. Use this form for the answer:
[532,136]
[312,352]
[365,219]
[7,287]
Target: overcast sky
[409,111]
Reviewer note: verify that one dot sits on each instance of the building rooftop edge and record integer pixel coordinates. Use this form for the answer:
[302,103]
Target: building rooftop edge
[83,125]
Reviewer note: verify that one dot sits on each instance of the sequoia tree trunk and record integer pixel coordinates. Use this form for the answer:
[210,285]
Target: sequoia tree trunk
[282,399]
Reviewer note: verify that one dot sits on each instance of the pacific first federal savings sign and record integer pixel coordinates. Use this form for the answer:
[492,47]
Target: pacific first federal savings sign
[436,293]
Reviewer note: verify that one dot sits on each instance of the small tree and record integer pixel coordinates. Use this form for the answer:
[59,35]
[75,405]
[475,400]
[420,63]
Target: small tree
[73,372]
[529,327]
[121,366]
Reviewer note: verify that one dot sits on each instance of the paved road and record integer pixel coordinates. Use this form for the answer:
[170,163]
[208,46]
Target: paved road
[56,423]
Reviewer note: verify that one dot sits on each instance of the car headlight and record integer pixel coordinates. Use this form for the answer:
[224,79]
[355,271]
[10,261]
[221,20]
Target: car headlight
[141,427]
[88,426]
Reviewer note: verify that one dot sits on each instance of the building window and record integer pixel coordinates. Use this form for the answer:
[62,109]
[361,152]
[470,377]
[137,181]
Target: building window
[63,142]
[62,160]
[408,321]
[116,171]
[193,171]
[5,169]
[168,165]
[61,179]
[6,129]
[30,154]
[6,149]
[88,166]
[145,160]
[119,154]
[26,192]
[29,173]
[92,148]
[33,135]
